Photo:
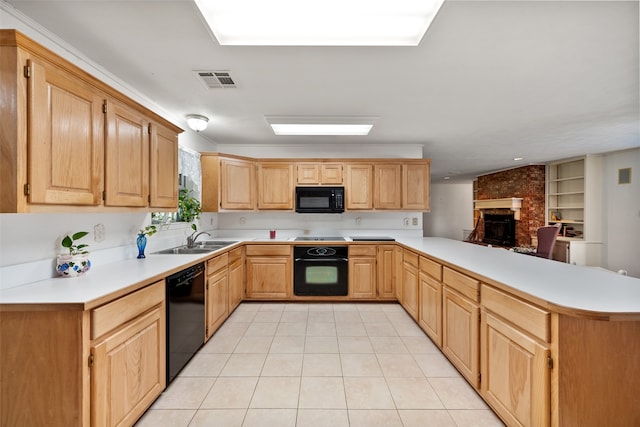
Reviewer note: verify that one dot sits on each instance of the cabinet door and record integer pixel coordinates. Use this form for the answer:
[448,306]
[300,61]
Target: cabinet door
[397,262]
[163,170]
[415,187]
[269,277]
[308,173]
[128,370]
[410,289]
[362,277]
[127,157]
[386,272]
[515,374]
[275,186]
[331,174]
[236,284]
[65,139]
[387,192]
[237,184]
[359,187]
[460,333]
[217,298]
[431,308]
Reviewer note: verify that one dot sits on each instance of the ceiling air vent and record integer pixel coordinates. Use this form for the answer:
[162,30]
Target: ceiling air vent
[216,79]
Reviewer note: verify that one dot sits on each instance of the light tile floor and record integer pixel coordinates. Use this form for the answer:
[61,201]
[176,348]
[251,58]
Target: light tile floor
[306,365]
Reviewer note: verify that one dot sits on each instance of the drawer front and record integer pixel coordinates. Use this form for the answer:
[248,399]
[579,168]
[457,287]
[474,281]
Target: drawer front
[431,268]
[120,311]
[217,263]
[411,258]
[268,250]
[464,284]
[362,250]
[529,318]
[235,255]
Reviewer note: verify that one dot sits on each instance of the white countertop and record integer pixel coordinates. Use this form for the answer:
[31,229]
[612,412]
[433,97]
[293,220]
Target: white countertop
[562,285]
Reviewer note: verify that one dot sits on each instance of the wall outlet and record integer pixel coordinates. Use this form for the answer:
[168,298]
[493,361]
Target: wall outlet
[414,221]
[406,222]
[98,232]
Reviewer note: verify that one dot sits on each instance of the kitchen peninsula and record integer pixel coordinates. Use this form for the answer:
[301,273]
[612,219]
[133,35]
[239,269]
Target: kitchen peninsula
[544,343]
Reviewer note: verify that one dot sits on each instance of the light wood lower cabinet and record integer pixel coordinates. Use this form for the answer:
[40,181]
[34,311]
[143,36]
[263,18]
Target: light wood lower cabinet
[387,272]
[236,278]
[216,293]
[460,333]
[515,373]
[362,272]
[410,283]
[128,356]
[431,307]
[269,271]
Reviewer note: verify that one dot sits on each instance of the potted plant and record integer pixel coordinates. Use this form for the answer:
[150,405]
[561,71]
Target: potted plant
[188,206]
[141,240]
[76,262]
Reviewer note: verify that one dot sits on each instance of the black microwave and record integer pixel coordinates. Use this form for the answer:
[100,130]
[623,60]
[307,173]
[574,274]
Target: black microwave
[320,199]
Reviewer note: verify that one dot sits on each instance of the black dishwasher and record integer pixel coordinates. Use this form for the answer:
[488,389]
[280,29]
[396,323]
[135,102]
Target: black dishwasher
[185,317]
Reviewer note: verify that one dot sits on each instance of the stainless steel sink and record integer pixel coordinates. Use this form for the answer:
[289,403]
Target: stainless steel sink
[185,250]
[202,247]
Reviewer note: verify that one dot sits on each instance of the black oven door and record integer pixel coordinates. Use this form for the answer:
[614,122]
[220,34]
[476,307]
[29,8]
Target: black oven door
[320,271]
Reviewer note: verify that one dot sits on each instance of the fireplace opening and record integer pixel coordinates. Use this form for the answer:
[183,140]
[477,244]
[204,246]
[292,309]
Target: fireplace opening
[499,230]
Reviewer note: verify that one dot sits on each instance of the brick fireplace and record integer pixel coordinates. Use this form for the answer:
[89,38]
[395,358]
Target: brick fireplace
[528,183]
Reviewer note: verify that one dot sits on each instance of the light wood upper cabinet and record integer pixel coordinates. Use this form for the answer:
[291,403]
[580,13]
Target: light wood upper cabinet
[415,186]
[66,142]
[127,156]
[61,148]
[163,167]
[319,174]
[359,187]
[387,193]
[275,186]
[237,184]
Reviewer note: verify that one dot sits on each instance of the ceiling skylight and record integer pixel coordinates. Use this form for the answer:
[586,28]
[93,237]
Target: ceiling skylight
[319,23]
[320,125]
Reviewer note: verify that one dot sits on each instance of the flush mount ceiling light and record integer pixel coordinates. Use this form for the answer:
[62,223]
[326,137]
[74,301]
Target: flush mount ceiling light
[305,125]
[197,122]
[319,23]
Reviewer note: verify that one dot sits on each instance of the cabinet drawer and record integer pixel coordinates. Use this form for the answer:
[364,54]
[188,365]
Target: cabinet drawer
[356,250]
[464,284]
[529,318]
[217,263]
[235,255]
[268,250]
[411,258]
[120,311]
[431,268]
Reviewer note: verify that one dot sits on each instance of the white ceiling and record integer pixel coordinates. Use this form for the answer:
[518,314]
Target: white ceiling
[490,81]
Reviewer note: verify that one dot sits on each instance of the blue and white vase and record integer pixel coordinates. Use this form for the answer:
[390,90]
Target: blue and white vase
[141,241]
[72,265]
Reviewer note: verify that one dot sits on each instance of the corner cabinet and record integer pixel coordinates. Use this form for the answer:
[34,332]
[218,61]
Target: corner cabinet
[73,142]
[228,183]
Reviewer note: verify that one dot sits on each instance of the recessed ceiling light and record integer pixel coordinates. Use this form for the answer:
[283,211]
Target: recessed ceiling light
[320,23]
[517,159]
[320,125]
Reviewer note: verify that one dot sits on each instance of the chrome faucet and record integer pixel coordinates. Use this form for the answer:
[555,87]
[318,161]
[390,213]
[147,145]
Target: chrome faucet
[191,240]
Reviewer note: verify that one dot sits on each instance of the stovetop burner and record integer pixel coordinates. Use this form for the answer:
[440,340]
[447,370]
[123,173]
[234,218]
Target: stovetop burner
[319,239]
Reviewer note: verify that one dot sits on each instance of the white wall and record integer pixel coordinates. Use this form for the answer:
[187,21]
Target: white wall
[451,210]
[621,213]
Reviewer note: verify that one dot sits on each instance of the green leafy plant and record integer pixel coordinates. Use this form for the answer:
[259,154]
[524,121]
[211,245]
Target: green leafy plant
[188,206]
[69,242]
[149,230]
